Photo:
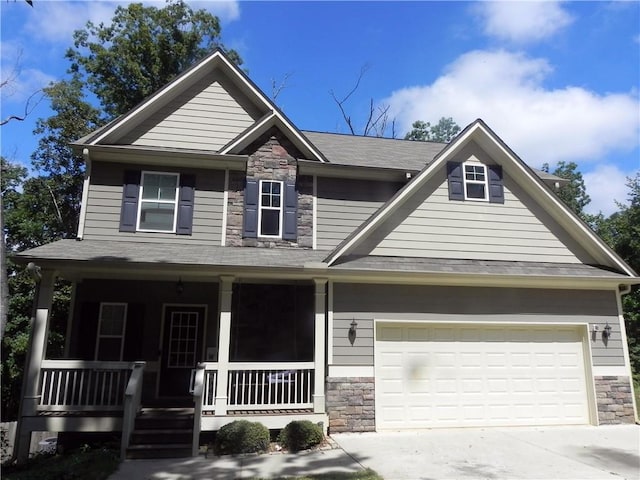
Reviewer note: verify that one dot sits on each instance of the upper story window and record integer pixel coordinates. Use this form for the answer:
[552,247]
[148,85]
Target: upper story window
[270,213]
[158,202]
[475,181]
[111,328]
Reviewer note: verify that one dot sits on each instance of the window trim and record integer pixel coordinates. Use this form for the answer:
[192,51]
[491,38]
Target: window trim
[174,202]
[99,336]
[280,209]
[484,182]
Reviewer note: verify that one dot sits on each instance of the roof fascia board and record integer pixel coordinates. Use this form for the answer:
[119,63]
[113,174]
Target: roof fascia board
[569,220]
[391,206]
[167,157]
[78,269]
[250,134]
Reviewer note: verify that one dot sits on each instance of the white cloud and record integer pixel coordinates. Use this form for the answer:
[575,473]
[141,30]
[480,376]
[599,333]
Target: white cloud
[606,185]
[542,125]
[522,21]
[225,10]
[21,83]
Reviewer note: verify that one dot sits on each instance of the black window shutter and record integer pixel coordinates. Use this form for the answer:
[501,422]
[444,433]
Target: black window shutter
[133,335]
[290,216]
[186,202]
[456,182]
[86,327]
[130,192]
[250,223]
[496,186]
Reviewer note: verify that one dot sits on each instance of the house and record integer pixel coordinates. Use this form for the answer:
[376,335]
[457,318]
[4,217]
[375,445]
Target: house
[229,265]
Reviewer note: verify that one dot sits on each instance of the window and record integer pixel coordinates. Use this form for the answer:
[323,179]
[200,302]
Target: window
[270,212]
[158,201]
[111,327]
[475,181]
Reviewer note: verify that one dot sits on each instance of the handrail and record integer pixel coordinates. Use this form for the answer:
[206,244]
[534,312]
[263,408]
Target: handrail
[198,389]
[132,397]
[270,365]
[103,365]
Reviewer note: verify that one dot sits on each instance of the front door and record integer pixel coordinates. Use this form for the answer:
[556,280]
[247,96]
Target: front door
[181,348]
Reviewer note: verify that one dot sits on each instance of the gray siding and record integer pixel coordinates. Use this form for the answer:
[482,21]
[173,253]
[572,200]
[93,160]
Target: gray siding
[105,200]
[207,116]
[431,225]
[342,206]
[364,303]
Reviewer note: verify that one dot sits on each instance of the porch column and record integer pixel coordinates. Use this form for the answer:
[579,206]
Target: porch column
[37,348]
[224,341]
[319,345]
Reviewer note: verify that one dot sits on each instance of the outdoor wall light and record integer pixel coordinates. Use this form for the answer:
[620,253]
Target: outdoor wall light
[179,286]
[352,331]
[606,333]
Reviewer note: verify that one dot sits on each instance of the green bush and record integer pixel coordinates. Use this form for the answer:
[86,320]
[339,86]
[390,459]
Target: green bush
[300,435]
[241,436]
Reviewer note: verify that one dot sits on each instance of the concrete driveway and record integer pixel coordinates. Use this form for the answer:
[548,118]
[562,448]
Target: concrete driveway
[571,453]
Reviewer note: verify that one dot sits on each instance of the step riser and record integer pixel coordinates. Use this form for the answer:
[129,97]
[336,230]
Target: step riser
[163,424]
[173,453]
[151,439]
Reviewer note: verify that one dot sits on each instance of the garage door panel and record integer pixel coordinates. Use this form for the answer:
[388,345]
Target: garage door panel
[479,376]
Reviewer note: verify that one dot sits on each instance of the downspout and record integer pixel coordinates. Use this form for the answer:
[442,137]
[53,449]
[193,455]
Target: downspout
[85,193]
[625,290]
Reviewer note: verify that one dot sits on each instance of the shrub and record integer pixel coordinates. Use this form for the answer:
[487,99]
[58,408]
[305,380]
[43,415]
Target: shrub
[300,435]
[241,436]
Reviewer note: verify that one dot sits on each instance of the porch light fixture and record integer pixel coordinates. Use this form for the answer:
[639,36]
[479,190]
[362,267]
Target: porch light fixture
[352,331]
[606,332]
[179,286]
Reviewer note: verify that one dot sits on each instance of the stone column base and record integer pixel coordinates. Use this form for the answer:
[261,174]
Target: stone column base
[351,404]
[614,399]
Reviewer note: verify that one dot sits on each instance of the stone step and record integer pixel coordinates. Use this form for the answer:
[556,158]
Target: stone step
[161,436]
[168,450]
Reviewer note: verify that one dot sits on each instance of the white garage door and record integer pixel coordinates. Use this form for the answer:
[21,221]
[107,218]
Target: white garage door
[454,375]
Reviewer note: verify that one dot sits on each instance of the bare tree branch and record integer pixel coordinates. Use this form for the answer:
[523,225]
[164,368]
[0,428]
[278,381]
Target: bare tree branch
[29,106]
[341,103]
[276,88]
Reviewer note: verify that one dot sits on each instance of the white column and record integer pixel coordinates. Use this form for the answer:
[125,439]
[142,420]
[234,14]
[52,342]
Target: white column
[224,341]
[319,346]
[35,355]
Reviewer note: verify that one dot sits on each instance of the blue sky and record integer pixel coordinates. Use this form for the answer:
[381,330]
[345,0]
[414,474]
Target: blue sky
[555,80]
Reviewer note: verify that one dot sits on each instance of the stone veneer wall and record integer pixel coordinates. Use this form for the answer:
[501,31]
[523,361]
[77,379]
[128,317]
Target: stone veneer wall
[614,399]
[351,404]
[271,157]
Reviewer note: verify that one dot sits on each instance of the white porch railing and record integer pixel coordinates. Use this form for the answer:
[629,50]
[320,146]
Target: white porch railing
[272,386]
[132,399]
[77,385]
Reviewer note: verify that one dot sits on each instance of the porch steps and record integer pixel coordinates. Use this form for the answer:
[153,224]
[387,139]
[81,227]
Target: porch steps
[162,433]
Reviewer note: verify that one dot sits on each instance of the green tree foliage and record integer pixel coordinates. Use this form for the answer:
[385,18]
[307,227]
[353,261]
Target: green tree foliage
[444,131]
[142,50]
[574,193]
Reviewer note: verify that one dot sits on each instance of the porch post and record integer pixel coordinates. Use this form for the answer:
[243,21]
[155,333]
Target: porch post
[224,340]
[37,348]
[319,345]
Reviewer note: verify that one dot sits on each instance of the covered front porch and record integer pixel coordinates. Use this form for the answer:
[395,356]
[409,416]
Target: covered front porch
[219,349]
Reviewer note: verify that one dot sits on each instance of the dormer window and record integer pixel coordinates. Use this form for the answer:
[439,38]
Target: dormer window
[270,214]
[475,182]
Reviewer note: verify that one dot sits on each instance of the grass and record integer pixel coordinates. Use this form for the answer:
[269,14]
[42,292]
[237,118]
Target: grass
[367,474]
[94,464]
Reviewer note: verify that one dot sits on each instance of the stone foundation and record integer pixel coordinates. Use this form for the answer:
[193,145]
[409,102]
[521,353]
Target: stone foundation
[614,399]
[351,404]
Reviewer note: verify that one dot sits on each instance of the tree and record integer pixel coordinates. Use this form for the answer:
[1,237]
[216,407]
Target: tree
[142,50]
[444,131]
[574,193]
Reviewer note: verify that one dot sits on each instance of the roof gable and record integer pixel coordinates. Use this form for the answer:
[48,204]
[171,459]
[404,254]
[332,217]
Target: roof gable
[420,221]
[212,106]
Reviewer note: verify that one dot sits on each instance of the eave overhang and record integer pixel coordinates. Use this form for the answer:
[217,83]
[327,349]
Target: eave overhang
[334,170]
[163,156]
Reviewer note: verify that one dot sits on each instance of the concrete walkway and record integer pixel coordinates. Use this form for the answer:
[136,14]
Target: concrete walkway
[562,453]
[230,467]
